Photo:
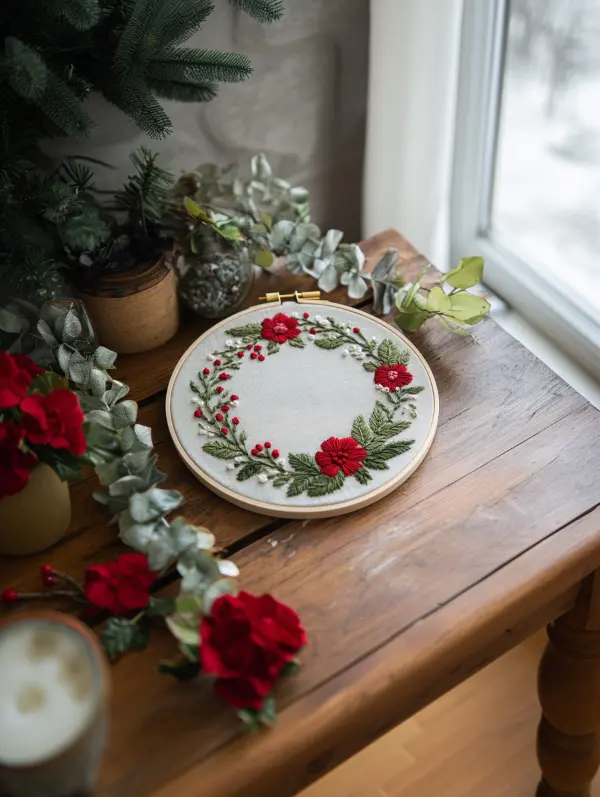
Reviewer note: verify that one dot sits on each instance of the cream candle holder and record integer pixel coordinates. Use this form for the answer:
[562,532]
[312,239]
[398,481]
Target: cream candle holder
[54,687]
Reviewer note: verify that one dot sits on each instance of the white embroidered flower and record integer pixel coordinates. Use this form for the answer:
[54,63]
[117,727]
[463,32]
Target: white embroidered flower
[295,315]
[229,466]
[312,337]
[239,459]
[374,339]
[319,319]
[238,343]
[234,403]
[210,357]
[282,462]
[211,434]
[325,323]
[201,431]
[347,329]
[230,344]
[345,353]
[263,478]
[385,389]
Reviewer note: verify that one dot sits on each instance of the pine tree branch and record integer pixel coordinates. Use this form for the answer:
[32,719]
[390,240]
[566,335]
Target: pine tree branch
[199,65]
[63,108]
[137,30]
[262,10]
[27,71]
[178,20]
[134,98]
[80,14]
[184,91]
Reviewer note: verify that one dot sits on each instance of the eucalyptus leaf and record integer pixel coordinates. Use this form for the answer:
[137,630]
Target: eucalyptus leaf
[467,274]
[12,323]
[437,301]
[357,287]
[104,358]
[467,308]
[329,279]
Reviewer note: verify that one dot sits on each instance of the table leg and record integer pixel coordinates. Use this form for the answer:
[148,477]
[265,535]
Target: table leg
[568,741]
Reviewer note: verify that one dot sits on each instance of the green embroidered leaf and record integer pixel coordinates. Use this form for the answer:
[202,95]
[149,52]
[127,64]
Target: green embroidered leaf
[249,331]
[404,357]
[121,635]
[195,388]
[221,450]
[363,476]
[248,470]
[298,485]
[303,463]
[243,437]
[377,459]
[273,347]
[369,367]
[324,485]
[281,479]
[374,463]
[379,419]
[297,343]
[389,429]
[361,431]
[329,343]
[388,353]
[413,391]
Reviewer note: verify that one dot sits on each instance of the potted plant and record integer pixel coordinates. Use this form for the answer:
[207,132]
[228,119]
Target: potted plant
[118,257]
[42,443]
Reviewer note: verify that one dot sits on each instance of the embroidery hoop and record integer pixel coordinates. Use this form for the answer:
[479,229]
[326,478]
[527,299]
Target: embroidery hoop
[333,507]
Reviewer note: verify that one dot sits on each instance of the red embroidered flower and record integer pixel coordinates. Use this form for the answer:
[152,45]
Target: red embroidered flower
[120,586]
[393,376]
[246,643]
[340,452]
[55,420]
[15,465]
[16,373]
[280,328]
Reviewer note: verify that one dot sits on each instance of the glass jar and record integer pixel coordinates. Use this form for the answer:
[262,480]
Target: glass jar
[215,285]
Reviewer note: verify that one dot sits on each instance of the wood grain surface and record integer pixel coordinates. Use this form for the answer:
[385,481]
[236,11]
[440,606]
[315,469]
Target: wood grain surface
[485,543]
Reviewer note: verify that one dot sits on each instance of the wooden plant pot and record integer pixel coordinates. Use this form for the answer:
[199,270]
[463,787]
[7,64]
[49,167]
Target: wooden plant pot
[37,517]
[134,311]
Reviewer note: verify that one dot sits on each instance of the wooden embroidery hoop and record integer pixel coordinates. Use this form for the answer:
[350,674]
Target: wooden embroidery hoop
[308,512]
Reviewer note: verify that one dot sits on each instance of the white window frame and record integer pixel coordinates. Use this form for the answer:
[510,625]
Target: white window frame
[537,300]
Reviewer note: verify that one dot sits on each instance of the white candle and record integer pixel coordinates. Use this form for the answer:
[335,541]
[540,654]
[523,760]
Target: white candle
[52,706]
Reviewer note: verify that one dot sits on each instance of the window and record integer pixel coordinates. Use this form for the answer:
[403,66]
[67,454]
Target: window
[526,184]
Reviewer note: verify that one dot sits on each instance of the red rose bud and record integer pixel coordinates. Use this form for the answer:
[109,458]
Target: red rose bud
[249,346]
[46,570]
[240,354]
[198,413]
[275,453]
[267,444]
[9,596]
[258,347]
[225,431]
[254,452]
[261,357]
[225,408]
[223,377]
[219,417]
[312,331]
[235,421]
[356,330]
[217,363]
[253,356]
[233,397]
[48,580]
[306,315]
[206,371]
[219,389]
[258,447]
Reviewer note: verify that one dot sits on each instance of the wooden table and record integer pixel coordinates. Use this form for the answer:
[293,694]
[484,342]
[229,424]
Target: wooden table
[497,534]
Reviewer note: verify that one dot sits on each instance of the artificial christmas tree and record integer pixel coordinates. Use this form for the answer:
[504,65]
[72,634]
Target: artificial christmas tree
[53,54]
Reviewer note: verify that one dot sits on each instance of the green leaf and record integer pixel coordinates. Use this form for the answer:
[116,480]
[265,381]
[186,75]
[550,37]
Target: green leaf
[248,470]
[370,367]
[298,485]
[297,343]
[181,670]
[268,714]
[388,353]
[221,450]
[467,308]
[121,635]
[161,606]
[324,485]
[456,330]
[223,586]
[264,258]
[361,431]
[378,420]
[413,391]
[377,459]
[185,628]
[363,476]
[248,331]
[467,274]
[303,463]
[291,668]
[195,211]
[329,343]
[273,347]
[437,301]
[12,323]
[266,219]
[411,318]
[281,479]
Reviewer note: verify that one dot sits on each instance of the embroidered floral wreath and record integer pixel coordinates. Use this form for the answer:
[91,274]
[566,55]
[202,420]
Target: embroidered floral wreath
[368,447]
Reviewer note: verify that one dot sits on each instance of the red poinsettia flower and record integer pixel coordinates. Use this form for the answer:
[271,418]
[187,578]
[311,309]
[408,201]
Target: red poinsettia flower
[340,452]
[16,373]
[55,420]
[280,328]
[120,586]
[15,464]
[393,376]
[246,643]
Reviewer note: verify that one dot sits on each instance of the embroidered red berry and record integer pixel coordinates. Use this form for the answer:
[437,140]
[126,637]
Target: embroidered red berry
[219,389]
[267,444]
[225,408]
[241,354]
[356,330]
[312,331]
[206,371]
[306,315]
[249,346]
[48,580]
[46,570]
[219,417]
[254,452]
[258,347]
[253,356]
[235,421]
[223,377]
[261,357]
[225,431]
[275,453]
[198,413]
[9,596]
[217,363]
[258,447]
[233,397]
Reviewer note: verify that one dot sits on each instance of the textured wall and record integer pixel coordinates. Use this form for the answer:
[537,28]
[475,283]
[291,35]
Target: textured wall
[304,106]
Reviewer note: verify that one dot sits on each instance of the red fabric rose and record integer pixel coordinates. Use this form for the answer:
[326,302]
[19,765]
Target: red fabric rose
[246,643]
[280,328]
[393,376]
[340,452]
[120,586]
[54,420]
[15,465]
[16,373]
